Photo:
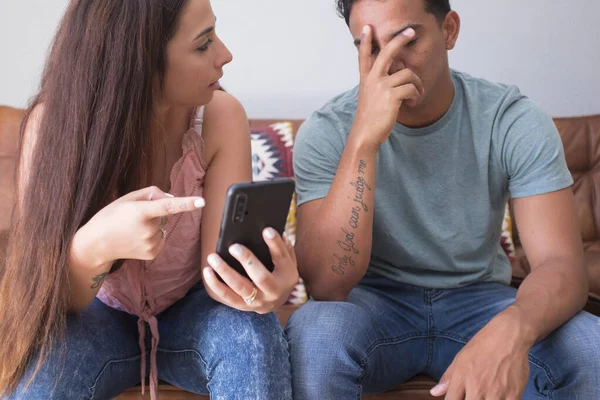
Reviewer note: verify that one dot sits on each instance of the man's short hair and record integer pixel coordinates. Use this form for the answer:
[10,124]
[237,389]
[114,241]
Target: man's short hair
[439,8]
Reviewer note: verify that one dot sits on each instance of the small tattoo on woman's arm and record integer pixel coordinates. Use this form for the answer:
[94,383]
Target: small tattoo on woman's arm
[98,279]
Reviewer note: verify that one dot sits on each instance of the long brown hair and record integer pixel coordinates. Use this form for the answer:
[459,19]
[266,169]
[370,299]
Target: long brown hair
[93,141]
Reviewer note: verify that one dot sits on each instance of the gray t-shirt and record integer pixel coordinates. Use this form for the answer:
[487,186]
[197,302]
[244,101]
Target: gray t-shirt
[441,191]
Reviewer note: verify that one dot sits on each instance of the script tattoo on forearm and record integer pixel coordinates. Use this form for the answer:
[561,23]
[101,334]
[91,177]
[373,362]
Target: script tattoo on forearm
[343,263]
[98,279]
[347,243]
[360,185]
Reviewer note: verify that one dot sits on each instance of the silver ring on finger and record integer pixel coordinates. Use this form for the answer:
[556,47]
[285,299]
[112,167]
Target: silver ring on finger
[163,233]
[248,300]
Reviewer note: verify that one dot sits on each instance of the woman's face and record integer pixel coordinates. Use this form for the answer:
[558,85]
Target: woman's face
[195,58]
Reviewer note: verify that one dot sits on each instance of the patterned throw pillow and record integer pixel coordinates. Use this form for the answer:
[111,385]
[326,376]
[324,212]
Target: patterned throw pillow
[506,240]
[272,158]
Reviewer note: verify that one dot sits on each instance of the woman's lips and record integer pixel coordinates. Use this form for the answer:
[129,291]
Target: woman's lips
[216,83]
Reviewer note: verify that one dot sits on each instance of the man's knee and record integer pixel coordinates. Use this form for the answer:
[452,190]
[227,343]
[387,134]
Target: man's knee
[326,345]
[581,337]
[325,330]
[583,340]
[568,361]
[322,318]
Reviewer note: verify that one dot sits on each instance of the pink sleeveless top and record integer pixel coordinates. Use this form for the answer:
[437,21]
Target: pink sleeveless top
[146,288]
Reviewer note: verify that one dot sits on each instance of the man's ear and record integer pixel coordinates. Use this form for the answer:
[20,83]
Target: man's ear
[451,28]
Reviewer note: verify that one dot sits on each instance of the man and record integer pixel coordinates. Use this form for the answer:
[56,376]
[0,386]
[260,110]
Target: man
[402,186]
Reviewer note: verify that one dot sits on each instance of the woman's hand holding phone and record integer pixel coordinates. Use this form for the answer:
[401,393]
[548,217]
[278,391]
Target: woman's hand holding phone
[265,290]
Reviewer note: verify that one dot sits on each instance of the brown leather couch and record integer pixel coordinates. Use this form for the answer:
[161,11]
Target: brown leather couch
[581,138]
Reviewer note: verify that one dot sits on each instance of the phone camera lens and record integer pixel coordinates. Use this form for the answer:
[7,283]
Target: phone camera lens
[240,207]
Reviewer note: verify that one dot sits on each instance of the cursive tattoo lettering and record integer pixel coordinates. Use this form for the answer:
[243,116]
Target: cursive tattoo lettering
[354,217]
[342,263]
[348,243]
[361,167]
[360,186]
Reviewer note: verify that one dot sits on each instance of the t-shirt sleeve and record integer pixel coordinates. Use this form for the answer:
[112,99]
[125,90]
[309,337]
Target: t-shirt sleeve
[532,153]
[317,152]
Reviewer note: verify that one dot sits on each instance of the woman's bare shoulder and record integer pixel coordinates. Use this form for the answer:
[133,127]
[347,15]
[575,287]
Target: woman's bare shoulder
[225,108]
[225,123]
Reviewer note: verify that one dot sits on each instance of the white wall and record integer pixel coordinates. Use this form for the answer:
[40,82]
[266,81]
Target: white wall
[26,30]
[290,56]
[549,48]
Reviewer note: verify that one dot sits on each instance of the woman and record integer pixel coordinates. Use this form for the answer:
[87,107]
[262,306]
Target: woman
[110,234]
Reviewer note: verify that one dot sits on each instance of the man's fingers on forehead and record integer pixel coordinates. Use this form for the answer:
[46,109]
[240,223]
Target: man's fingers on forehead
[364,51]
[403,35]
[402,38]
[408,31]
[386,56]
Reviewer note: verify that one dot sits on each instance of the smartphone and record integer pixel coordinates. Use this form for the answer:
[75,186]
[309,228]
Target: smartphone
[250,207]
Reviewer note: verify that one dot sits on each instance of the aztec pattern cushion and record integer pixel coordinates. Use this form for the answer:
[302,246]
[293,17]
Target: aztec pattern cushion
[272,158]
[272,151]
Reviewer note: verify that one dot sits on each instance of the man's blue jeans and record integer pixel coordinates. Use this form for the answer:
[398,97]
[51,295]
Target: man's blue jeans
[205,347]
[386,333]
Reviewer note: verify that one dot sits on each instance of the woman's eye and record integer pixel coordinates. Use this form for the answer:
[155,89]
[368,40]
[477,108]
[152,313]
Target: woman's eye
[205,46]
